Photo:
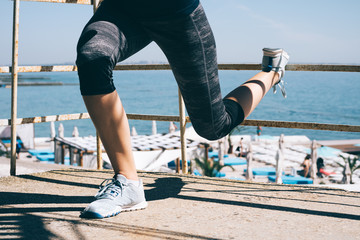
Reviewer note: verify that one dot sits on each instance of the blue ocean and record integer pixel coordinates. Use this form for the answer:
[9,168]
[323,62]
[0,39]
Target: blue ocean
[323,97]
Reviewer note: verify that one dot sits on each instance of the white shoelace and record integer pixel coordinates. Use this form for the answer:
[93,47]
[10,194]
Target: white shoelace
[111,189]
[281,85]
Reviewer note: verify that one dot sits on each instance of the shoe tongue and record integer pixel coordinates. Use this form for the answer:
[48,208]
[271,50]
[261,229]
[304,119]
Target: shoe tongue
[120,178]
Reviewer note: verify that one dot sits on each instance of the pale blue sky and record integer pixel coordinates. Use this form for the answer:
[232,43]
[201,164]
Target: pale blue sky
[312,31]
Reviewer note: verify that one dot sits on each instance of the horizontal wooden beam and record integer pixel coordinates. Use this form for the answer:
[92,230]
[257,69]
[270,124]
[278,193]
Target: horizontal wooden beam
[302,125]
[87,2]
[132,67]
[264,123]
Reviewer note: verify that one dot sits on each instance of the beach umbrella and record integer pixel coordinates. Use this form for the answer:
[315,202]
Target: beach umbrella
[75,132]
[172,127]
[221,151]
[61,130]
[249,159]
[5,132]
[325,152]
[279,159]
[226,144]
[52,135]
[347,173]
[133,131]
[314,156]
[154,129]
[52,130]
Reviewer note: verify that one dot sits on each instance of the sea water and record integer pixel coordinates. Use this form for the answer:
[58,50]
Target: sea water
[322,97]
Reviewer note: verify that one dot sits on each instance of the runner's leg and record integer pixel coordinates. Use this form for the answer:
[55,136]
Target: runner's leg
[106,40]
[190,47]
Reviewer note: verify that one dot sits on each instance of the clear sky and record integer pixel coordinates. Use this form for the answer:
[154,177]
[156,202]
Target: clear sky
[312,31]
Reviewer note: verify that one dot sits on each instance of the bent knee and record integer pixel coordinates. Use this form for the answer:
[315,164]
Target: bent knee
[209,132]
[96,77]
[99,40]
[97,54]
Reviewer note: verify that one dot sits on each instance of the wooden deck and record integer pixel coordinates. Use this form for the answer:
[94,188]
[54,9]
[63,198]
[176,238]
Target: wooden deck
[47,206]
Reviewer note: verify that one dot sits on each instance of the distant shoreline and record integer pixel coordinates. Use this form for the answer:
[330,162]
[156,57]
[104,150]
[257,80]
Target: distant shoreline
[7,78]
[28,84]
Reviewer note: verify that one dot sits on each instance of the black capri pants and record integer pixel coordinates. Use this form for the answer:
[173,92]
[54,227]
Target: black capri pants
[189,45]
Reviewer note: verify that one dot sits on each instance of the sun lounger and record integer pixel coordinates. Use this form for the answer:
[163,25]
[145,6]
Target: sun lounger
[42,154]
[36,152]
[292,180]
[234,161]
[215,154]
[263,171]
[218,174]
[46,157]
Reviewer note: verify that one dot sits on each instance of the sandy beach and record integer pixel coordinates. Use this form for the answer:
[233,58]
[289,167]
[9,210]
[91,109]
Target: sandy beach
[28,164]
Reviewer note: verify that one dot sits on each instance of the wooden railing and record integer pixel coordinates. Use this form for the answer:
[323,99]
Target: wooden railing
[15,69]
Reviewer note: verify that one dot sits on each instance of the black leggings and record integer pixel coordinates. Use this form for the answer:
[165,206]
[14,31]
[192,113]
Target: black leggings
[189,46]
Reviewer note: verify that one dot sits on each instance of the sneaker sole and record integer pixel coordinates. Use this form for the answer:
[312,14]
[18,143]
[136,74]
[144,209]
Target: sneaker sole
[118,210]
[138,206]
[274,52]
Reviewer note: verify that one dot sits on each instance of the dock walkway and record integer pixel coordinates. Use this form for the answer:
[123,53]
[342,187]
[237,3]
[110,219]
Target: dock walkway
[46,205]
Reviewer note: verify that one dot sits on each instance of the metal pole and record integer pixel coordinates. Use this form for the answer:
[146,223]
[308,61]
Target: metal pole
[14,72]
[182,133]
[98,140]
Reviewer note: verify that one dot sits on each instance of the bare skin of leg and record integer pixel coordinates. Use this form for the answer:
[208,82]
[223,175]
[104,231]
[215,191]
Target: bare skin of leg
[110,120]
[249,94]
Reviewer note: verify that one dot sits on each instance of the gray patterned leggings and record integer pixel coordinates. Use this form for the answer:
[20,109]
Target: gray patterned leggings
[189,46]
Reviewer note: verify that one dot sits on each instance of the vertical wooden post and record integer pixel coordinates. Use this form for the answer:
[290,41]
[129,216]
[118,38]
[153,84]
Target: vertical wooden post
[177,165]
[206,151]
[99,152]
[81,158]
[98,140]
[62,154]
[182,133]
[57,151]
[95,4]
[71,155]
[14,83]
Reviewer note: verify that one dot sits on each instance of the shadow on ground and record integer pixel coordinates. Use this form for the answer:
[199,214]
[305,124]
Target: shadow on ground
[47,205]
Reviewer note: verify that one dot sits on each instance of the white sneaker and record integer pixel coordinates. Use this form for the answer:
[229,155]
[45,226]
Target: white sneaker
[275,59]
[116,196]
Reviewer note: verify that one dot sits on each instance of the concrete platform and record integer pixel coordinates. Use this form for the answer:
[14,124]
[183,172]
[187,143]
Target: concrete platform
[27,164]
[46,206]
